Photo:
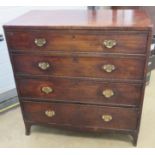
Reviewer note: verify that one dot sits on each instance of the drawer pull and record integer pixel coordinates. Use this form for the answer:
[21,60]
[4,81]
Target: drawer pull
[47,90]
[43,65]
[49,113]
[40,42]
[109,43]
[108,93]
[108,68]
[107,118]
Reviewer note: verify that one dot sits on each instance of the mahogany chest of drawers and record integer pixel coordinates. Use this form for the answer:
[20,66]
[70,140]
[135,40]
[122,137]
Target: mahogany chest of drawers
[82,70]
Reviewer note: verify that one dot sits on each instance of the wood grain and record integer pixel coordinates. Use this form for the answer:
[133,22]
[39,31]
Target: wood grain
[81,116]
[78,66]
[75,51]
[81,19]
[127,42]
[83,91]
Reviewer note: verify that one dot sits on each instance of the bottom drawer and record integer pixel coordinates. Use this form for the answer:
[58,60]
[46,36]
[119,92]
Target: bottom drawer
[96,117]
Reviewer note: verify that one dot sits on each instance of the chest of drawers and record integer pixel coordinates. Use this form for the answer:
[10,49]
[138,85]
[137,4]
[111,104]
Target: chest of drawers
[81,70]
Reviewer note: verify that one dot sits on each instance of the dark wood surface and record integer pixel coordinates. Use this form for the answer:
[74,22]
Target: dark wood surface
[83,19]
[75,115]
[83,91]
[148,9]
[76,54]
[81,66]
[92,41]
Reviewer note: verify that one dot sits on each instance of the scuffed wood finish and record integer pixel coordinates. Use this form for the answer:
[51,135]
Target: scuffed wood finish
[73,47]
[127,42]
[83,91]
[82,115]
[80,66]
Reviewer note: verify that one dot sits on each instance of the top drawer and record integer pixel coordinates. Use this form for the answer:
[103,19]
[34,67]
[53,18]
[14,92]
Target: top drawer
[78,41]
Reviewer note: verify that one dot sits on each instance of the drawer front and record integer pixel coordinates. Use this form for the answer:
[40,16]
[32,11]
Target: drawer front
[97,117]
[121,42]
[84,91]
[96,67]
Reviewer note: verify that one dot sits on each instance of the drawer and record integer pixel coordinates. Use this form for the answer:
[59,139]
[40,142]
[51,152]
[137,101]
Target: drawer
[95,117]
[84,91]
[96,67]
[89,41]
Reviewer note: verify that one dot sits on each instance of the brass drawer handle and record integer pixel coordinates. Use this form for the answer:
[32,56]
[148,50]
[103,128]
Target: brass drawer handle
[108,93]
[107,118]
[109,43]
[43,65]
[47,90]
[50,113]
[40,42]
[108,68]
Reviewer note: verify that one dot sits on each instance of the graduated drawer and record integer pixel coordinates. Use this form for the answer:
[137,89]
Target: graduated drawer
[96,67]
[93,117]
[84,91]
[83,41]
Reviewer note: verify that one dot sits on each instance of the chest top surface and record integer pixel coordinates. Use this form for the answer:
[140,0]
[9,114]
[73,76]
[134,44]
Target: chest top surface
[73,19]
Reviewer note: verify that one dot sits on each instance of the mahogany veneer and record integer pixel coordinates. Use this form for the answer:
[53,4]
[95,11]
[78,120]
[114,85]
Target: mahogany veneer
[83,70]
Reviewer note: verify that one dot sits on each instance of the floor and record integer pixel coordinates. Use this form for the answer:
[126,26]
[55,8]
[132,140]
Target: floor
[12,132]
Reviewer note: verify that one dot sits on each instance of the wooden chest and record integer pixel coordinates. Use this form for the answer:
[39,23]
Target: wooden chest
[82,70]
